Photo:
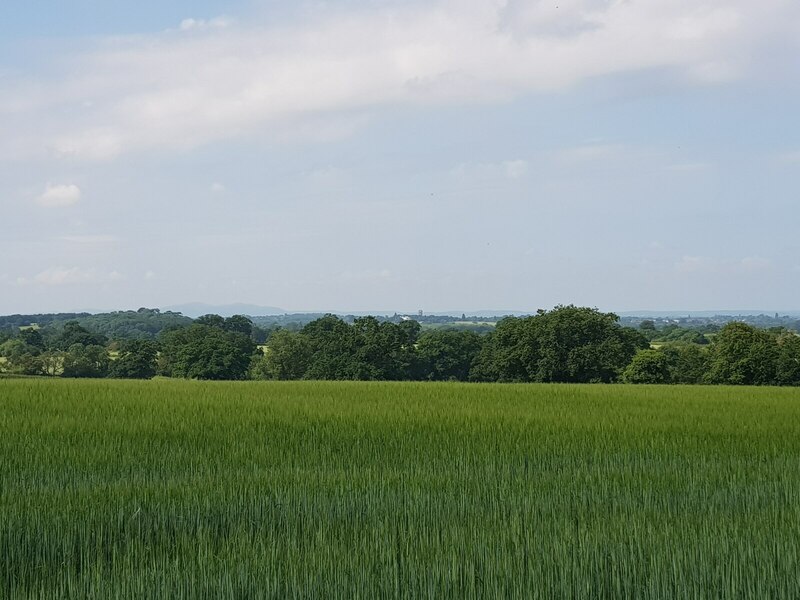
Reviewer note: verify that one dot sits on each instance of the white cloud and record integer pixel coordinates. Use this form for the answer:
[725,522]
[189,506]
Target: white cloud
[755,263]
[229,80]
[93,143]
[55,196]
[149,275]
[218,188]
[57,276]
[201,24]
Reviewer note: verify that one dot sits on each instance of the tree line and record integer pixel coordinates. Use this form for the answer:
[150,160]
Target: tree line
[567,344]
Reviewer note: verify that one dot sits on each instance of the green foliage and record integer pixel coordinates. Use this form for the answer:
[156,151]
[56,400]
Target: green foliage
[85,361]
[688,363]
[145,323]
[384,350]
[674,333]
[508,355]
[73,334]
[287,357]
[142,324]
[174,489]
[206,352]
[332,344]
[743,355]
[787,370]
[15,322]
[51,363]
[648,366]
[329,348]
[21,358]
[567,344]
[446,355]
[211,320]
[239,324]
[137,360]
[15,348]
[647,326]
[33,338]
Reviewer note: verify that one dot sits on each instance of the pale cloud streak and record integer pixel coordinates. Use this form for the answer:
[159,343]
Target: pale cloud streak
[508,169]
[58,276]
[203,24]
[214,80]
[59,196]
[100,239]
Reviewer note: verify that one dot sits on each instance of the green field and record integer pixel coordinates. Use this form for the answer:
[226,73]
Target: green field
[173,489]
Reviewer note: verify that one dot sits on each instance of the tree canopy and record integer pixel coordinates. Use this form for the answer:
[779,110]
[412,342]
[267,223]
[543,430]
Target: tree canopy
[567,344]
[206,351]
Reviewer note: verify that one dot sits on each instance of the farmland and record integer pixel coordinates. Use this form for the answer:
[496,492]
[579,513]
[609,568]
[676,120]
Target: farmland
[171,489]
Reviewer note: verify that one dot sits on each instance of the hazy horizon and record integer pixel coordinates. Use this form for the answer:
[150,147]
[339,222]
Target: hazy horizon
[196,309]
[505,154]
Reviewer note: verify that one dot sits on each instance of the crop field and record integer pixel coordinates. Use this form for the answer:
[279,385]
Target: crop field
[176,489]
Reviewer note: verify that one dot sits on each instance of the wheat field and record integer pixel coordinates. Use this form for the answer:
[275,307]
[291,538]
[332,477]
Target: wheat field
[176,489]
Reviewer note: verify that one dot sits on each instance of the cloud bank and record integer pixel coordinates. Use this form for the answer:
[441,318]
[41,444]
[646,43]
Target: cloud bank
[211,80]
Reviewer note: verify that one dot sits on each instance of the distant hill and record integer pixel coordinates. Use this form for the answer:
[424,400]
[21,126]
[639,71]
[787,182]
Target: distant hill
[197,309]
[145,323]
[42,320]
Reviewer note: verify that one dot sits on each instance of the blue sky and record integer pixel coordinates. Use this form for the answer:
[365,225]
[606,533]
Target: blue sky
[446,155]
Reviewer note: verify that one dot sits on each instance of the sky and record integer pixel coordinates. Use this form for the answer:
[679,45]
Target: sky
[378,155]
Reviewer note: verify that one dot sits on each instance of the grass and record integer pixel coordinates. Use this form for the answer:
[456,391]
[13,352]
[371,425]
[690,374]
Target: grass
[172,489]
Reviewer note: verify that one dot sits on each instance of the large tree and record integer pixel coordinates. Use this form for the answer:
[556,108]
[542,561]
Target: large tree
[447,354]
[648,366]
[788,364]
[85,361]
[384,350]
[743,355]
[567,344]
[72,334]
[329,348]
[136,360]
[332,345]
[687,363]
[206,352]
[286,357]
